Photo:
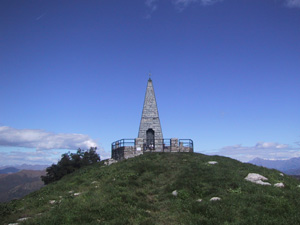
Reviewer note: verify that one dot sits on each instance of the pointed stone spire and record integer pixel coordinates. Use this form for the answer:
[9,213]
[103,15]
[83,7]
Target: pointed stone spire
[150,124]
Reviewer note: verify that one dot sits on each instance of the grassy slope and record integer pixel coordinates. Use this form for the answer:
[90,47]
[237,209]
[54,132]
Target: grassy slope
[138,191]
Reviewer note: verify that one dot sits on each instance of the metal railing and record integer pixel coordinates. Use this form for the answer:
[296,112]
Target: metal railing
[157,144]
[164,145]
[186,143]
[123,143]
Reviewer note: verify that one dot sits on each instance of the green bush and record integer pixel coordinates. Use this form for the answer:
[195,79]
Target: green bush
[70,162]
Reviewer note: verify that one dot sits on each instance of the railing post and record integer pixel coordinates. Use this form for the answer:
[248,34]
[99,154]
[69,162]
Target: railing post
[139,142]
[181,147]
[174,144]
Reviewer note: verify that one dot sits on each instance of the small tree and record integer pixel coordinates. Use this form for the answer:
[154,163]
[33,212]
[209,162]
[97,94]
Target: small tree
[70,162]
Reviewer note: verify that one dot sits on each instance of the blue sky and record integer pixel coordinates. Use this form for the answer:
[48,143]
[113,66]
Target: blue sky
[73,74]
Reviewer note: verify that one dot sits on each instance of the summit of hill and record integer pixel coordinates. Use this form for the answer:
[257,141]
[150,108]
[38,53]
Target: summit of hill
[162,188]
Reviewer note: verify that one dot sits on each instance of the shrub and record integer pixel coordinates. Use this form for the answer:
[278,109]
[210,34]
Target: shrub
[70,162]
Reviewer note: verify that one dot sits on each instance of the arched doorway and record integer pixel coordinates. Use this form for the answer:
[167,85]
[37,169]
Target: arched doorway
[150,139]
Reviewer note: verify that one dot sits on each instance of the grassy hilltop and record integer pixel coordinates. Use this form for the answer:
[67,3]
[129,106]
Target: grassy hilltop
[139,191]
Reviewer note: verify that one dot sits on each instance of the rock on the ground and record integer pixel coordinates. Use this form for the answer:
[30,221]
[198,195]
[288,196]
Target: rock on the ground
[280,185]
[257,179]
[109,162]
[23,219]
[199,200]
[76,194]
[215,199]
[212,162]
[281,174]
[174,193]
[52,202]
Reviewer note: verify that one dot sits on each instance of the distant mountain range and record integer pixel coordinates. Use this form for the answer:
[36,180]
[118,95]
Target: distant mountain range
[17,185]
[24,167]
[290,166]
[9,170]
[16,181]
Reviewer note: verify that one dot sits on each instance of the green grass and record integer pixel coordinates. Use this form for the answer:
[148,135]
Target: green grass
[138,191]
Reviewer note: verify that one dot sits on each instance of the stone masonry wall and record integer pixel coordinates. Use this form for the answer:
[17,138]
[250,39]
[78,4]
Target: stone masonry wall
[150,117]
[132,151]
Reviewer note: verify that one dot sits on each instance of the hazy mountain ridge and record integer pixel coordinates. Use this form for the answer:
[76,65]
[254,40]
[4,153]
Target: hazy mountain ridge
[140,191]
[290,166]
[26,167]
[8,170]
[17,185]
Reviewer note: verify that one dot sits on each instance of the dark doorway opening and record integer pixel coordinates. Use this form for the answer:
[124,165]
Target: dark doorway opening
[150,139]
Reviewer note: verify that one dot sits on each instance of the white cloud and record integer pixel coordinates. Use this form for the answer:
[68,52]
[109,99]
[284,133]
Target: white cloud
[40,16]
[264,150]
[179,4]
[182,4]
[41,139]
[293,3]
[187,2]
[270,145]
[18,156]
[152,4]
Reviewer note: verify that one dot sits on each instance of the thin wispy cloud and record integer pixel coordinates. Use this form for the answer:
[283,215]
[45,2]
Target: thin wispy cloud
[185,3]
[178,4]
[43,140]
[264,150]
[40,17]
[209,2]
[293,3]
[152,6]
[182,4]
[19,157]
